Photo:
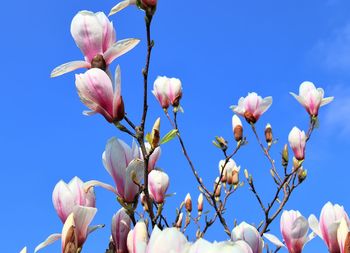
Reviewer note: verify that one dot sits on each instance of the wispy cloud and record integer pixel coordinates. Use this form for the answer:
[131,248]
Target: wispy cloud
[334,52]
[337,114]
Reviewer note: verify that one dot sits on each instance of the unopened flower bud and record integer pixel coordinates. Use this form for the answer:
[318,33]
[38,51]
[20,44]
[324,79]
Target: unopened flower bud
[297,141]
[188,203]
[296,164]
[179,221]
[222,142]
[200,204]
[246,174]
[302,174]
[268,134]
[237,128]
[285,156]
[217,186]
[144,202]
[155,134]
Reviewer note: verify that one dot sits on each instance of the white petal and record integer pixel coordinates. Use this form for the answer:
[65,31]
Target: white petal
[314,225]
[120,6]
[298,98]
[119,48]
[273,239]
[68,67]
[49,240]
[326,100]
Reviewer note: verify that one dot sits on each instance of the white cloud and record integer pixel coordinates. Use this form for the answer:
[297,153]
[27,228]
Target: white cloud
[334,52]
[337,114]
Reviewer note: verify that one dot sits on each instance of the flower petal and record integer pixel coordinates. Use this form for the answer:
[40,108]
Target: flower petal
[24,250]
[120,6]
[119,48]
[326,100]
[82,219]
[93,183]
[68,67]
[272,238]
[314,225]
[49,240]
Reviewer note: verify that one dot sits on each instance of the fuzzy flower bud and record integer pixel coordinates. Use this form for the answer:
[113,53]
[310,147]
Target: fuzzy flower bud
[188,203]
[200,204]
[237,128]
[268,134]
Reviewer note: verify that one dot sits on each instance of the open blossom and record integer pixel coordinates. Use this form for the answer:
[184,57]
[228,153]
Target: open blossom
[124,166]
[297,141]
[66,196]
[120,229]
[343,236]
[326,228]
[94,34]
[158,183]
[294,228]
[75,230]
[95,90]
[311,98]
[168,91]
[252,106]
[250,235]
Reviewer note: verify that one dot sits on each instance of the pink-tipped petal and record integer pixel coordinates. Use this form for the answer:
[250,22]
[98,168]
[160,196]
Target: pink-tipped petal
[63,200]
[109,35]
[68,67]
[119,48]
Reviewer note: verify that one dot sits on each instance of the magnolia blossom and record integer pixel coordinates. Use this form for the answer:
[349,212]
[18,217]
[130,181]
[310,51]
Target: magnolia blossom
[95,90]
[326,228]
[153,158]
[158,183]
[297,141]
[203,246]
[252,106]
[24,250]
[95,36]
[138,238]
[311,98]
[142,4]
[124,166]
[294,228]
[120,230]
[230,173]
[66,196]
[168,91]
[250,235]
[75,230]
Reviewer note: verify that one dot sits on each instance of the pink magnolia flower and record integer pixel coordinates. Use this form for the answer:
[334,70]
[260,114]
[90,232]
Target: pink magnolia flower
[66,196]
[311,98]
[95,90]
[75,230]
[120,230]
[252,106]
[124,166]
[158,183]
[95,36]
[294,228]
[138,238]
[168,91]
[326,228]
[250,235]
[297,141]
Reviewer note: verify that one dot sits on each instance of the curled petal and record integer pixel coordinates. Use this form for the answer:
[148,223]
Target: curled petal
[272,238]
[49,240]
[93,183]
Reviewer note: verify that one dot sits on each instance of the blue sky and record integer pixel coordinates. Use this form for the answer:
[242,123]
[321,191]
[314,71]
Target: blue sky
[220,51]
